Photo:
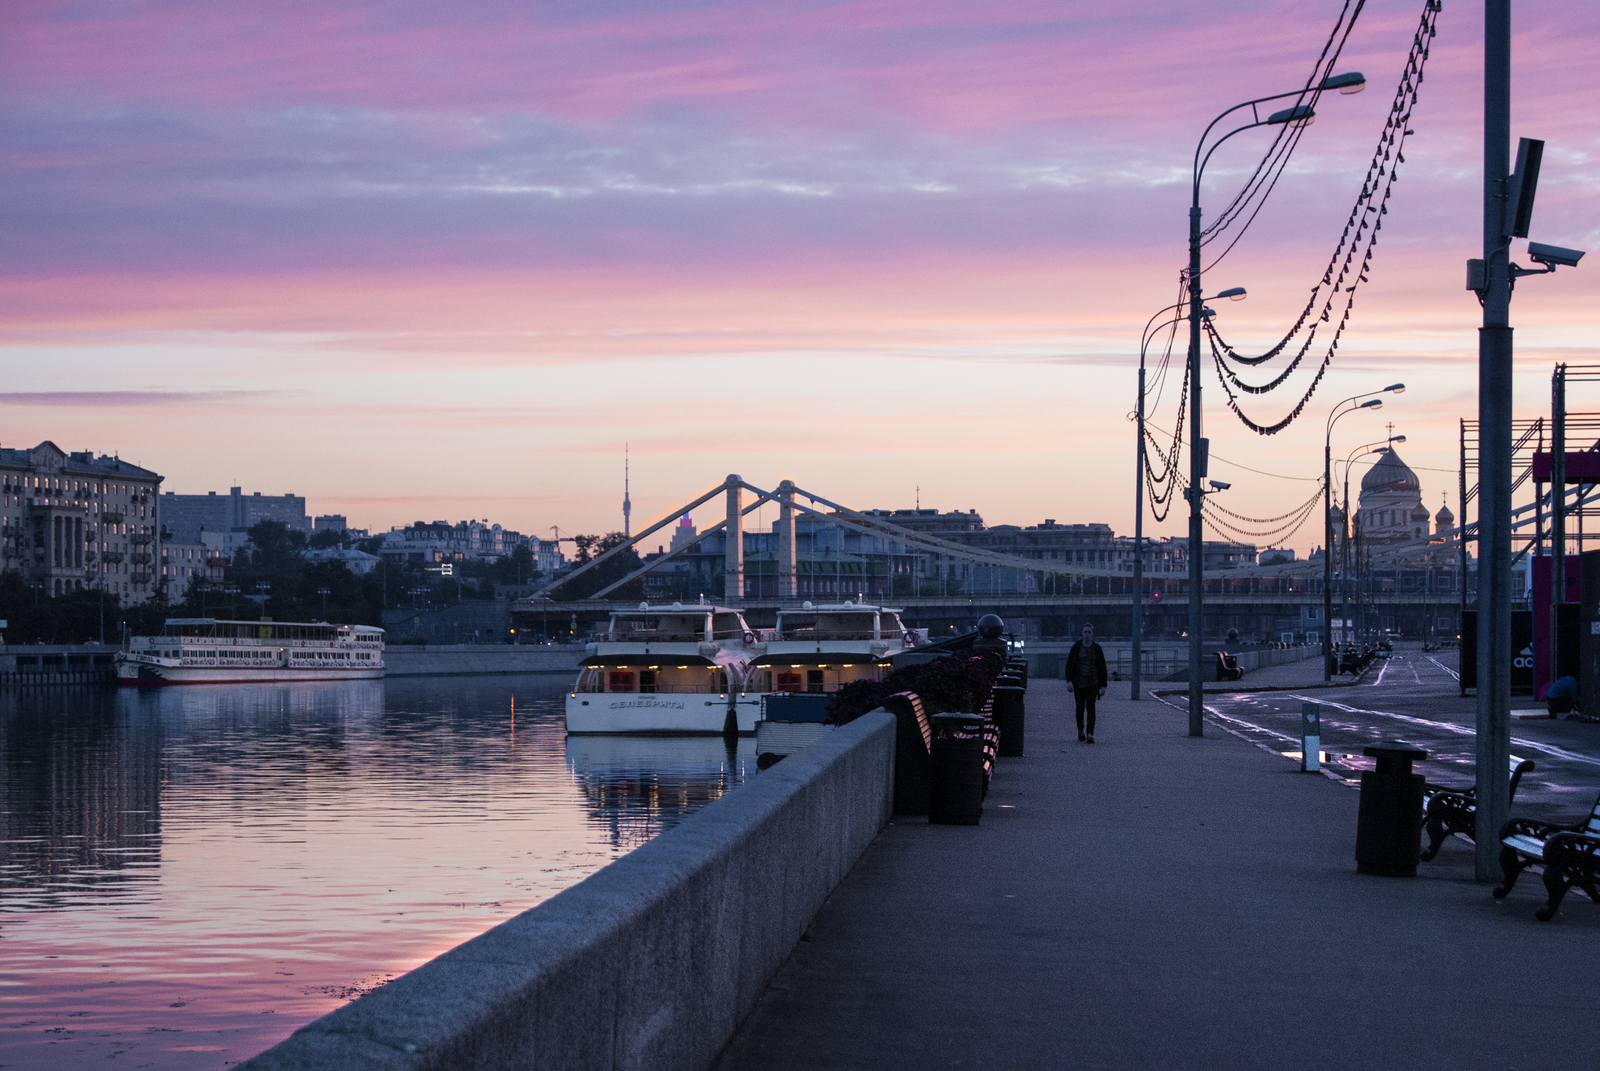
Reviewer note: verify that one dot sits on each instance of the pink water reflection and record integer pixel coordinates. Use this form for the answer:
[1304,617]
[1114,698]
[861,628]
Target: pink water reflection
[189,875]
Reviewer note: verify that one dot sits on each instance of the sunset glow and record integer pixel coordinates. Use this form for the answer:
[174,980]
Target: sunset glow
[420,262]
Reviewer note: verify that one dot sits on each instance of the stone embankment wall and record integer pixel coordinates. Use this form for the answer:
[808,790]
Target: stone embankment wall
[440,660]
[1162,657]
[651,962]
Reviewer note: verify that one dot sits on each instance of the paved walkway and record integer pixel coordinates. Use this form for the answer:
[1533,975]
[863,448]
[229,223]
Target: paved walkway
[1158,901]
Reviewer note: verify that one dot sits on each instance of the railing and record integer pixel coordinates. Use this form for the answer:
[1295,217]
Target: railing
[140,578]
[112,518]
[113,556]
[140,538]
[139,558]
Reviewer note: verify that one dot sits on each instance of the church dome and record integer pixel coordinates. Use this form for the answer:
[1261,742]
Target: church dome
[1419,512]
[1444,516]
[1390,474]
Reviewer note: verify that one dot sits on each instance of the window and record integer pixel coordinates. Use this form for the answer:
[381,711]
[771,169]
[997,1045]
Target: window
[619,682]
[788,682]
[814,680]
[647,680]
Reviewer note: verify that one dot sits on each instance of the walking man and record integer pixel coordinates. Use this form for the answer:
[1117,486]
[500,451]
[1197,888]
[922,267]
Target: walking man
[1086,679]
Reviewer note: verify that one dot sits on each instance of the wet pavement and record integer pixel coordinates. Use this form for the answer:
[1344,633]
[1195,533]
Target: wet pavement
[1161,901]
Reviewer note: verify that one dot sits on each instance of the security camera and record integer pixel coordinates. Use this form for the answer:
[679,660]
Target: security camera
[1554,255]
[1218,485]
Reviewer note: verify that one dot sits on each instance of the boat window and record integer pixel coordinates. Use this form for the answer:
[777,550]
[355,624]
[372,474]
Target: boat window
[619,681]
[647,680]
[788,682]
[814,680]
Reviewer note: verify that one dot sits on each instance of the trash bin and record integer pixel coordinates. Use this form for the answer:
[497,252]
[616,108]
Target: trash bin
[1389,822]
[955,789]
[1008,710]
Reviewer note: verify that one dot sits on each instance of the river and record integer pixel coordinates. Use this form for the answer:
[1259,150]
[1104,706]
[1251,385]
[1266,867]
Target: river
[189,874]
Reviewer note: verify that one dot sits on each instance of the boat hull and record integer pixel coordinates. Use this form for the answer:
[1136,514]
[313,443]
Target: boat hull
[680,713]
[145,675]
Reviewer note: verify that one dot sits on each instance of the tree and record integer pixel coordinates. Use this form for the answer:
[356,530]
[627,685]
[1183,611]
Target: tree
[601,576]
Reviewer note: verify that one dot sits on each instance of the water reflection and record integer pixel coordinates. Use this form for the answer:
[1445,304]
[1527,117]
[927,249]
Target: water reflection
[635,784]
[188,874]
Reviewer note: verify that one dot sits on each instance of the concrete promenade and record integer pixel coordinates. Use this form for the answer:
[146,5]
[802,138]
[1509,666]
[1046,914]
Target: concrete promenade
[1158,901]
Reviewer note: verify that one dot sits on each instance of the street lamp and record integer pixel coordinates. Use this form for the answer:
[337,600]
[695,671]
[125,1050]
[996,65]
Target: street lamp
[1345,572]
[1233,293]
[1327,512]
[323,591]
[1298,115]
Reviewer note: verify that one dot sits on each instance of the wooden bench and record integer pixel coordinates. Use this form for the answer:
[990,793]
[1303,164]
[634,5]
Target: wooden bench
[1570,855]
[1455,810]
[913,744]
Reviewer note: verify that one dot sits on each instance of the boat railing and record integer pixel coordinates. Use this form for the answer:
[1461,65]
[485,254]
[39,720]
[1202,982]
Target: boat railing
[650,635]
[807,635]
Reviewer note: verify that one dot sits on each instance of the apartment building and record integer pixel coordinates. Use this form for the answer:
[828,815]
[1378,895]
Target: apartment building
[74,521]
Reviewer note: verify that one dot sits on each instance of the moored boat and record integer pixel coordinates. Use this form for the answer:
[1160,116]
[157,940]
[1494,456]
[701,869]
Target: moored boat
[667,669]
[204,650]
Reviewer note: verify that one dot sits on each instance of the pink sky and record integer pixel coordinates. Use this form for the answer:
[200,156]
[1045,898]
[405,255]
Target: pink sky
[425,262]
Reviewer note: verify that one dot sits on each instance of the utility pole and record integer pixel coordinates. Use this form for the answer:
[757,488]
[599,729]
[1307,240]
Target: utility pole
[1494,451]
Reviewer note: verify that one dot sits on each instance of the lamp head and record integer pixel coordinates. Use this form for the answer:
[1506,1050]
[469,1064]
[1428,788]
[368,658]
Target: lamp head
[1397,438]
[1218,485]
[1395,388]
[1233,293]
[1376,403]
[1298,116]
[1347,83]
[1208,312]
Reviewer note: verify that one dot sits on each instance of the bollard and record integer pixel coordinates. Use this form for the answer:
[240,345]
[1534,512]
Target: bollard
[955,790]
[1018,667]
[1389,822]
[1008,715]
[1310,737]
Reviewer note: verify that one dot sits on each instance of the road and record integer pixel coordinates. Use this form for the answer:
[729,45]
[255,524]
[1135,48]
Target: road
[1415,697]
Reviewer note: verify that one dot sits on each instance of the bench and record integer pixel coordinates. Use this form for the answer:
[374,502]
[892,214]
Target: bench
[1570,855]
[1228,667]
[1455,810]
[912,749]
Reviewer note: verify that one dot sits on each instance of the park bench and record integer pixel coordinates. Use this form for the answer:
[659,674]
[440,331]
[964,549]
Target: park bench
[1228,667]
[913,745]
[1455,810]
[1570,855]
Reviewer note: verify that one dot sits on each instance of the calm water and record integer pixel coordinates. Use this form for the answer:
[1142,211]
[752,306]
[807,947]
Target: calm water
[189,874]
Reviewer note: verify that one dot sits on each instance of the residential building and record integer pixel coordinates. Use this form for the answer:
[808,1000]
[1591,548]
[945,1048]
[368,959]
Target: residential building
[186,516]
[431,543]
[182,563]
[81,520]
[334,522]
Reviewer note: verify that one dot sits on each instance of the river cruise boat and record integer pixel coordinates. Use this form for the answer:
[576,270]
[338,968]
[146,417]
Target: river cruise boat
[667,669]
[816,650]
[821,648]
[204,650]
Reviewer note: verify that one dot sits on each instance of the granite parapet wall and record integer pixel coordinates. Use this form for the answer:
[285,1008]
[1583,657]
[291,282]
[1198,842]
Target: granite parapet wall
[651,962]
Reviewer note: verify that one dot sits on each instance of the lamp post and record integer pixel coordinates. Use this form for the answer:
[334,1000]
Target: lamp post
[1236,293]
[1297,115]
[1327,513]
[323,591]
[1344,536]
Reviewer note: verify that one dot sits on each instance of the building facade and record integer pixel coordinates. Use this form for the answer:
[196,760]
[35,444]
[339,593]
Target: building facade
[186,516]
[76,521]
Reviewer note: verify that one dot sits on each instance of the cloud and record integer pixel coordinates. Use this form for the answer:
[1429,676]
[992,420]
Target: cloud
[131,399]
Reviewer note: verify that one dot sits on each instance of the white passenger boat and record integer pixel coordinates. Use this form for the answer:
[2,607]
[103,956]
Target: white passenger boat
[204,650]
[667,669]
[814,651]
[821,648]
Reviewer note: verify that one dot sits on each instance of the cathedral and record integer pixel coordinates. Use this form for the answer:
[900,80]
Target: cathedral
[1391,509]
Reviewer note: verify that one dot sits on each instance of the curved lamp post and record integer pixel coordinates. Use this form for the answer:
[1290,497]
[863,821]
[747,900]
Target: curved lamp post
[1327,512]
[1297,115]
[1348,460]
[1233,293]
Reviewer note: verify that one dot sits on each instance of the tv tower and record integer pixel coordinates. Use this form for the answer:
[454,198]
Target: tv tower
[627,506]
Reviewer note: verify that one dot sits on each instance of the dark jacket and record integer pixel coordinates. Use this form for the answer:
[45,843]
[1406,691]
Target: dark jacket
[1099,657]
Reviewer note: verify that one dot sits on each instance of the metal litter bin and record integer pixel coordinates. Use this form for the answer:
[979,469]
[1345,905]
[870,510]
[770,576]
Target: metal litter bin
[955,790]
[1389,823]
[1008,712]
